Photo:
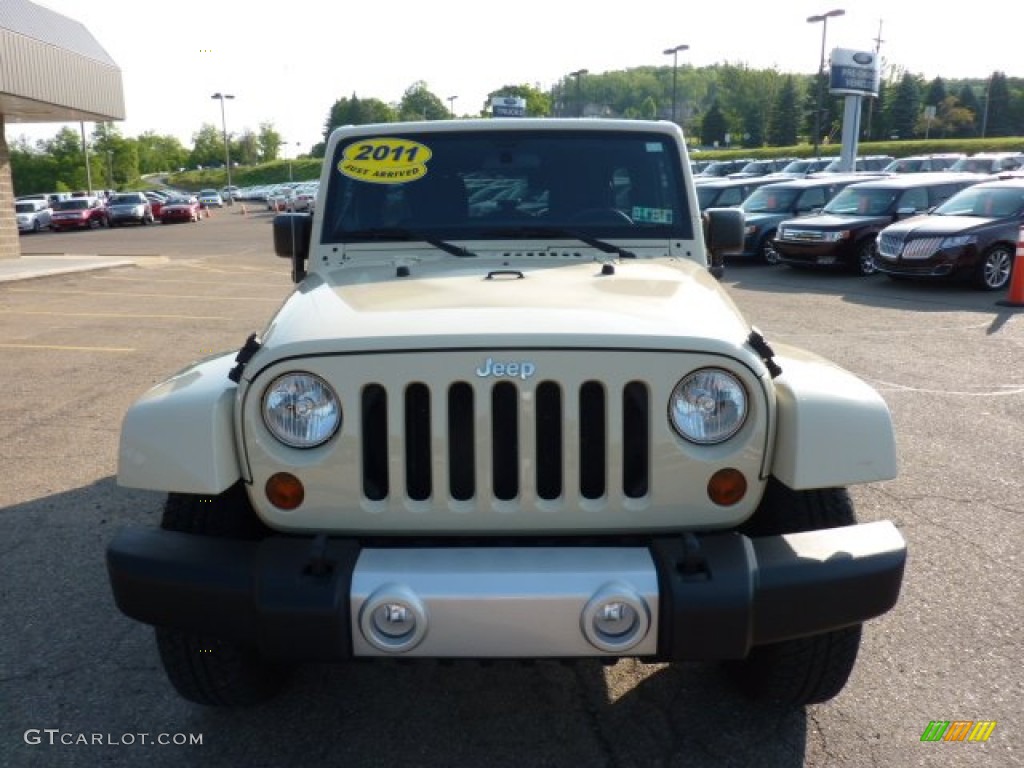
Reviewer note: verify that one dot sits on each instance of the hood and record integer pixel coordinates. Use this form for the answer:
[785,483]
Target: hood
[925,226]
[486,302]
[831,221]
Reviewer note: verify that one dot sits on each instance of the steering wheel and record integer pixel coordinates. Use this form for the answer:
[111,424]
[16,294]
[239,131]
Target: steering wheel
[600,216]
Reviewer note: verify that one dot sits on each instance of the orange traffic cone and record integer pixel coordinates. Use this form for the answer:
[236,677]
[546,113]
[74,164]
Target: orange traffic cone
[1015,298]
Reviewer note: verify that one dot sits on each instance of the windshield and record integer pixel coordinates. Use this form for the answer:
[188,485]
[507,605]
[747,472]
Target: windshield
[770,199]
[858,201]
[78,204]
[494,184]
[125,200]
[24,208]
[973,165]
[905,166]
[985,202]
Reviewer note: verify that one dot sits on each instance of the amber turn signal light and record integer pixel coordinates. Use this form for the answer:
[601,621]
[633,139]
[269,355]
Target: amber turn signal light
[727,487]
[285,491]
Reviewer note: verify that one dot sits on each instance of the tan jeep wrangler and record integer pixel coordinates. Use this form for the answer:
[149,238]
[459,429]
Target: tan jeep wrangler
[507,412]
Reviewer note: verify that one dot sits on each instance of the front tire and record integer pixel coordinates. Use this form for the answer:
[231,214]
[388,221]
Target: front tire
[207,670]
[805,670]
[864,263]
[767,250]
[993,273]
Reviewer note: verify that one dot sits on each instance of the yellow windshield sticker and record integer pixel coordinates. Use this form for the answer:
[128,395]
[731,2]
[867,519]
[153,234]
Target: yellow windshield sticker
[385,160]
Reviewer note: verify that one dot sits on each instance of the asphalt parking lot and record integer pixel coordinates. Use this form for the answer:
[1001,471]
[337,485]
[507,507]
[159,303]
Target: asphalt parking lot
[79,348]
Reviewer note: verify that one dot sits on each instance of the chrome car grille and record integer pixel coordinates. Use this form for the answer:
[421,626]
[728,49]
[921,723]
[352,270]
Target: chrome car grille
[895,246]
[802,235]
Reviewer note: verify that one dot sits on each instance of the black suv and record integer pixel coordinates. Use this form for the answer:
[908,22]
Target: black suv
[843,235]
[770,205]
[761,168]
[716,169]
[728,193]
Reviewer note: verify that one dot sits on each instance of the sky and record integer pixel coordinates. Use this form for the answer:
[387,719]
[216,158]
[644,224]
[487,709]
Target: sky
[286,64]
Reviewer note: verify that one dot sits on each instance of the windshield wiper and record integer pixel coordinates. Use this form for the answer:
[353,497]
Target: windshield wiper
[401,233]
[593,242]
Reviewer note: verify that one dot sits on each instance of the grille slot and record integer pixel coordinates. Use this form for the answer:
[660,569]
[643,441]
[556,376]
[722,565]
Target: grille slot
[375,442]
[592,440]
[505,440]
[417,442]
[636,436]
[541,439]
[461,442]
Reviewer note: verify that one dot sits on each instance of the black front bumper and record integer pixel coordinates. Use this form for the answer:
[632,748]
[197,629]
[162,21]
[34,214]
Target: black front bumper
[718,594]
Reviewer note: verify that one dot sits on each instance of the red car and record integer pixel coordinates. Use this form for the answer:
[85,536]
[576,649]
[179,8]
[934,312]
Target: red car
[79,213]
[180,209]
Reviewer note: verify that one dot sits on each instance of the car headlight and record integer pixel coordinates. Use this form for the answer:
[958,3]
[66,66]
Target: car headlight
[751,229]
[301,410]
[958,240]
[708,406]
[834,237]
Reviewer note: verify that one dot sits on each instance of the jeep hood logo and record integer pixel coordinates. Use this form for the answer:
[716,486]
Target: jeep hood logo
[522,369]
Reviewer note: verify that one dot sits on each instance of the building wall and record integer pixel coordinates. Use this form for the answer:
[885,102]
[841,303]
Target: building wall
[10,248]
[42,75]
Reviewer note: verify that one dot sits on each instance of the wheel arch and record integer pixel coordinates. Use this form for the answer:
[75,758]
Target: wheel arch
[180,436]
[833,428]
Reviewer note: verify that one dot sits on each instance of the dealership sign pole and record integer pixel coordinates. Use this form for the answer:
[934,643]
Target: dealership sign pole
[854,74]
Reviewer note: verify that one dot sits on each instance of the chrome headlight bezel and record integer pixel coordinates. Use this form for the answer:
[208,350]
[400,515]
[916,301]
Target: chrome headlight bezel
[708,406]
[301,410]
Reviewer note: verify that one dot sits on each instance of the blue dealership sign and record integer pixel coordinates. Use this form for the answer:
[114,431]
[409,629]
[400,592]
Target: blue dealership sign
[854,72]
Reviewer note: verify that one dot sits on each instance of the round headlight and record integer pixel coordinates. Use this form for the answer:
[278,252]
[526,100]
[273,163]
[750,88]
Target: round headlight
[708,406]
[301,410]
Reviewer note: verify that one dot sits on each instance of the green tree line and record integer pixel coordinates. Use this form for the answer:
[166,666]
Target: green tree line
[722,106]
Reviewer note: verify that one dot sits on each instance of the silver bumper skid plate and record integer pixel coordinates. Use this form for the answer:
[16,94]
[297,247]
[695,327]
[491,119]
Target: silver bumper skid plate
[689,597]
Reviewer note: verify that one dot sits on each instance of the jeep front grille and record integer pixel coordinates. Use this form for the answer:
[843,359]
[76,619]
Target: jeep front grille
[531,429]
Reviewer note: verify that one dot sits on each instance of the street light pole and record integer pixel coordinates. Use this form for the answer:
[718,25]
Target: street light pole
[578,74]
[823,18]
[675,52]
[451,106]
[224,127]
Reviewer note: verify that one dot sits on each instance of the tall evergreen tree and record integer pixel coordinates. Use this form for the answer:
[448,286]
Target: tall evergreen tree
[997,107]
[712,127]
[936,93]
[969,100]
[783,125]
[905,107]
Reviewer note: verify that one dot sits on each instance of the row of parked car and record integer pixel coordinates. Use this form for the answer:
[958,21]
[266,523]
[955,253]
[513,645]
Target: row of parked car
[983,163]
[917,225]
[61,212]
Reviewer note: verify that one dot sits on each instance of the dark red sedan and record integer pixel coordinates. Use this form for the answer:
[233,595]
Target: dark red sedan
[180,209]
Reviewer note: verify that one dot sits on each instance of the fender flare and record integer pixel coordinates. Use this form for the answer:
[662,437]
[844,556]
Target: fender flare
[180,435]
[834,429]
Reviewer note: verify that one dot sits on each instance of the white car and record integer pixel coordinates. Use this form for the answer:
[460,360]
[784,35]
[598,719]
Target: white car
[530,427]
[210,198]
[32,215]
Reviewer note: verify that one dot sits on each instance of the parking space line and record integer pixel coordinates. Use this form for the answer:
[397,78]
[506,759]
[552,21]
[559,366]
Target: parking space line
[162,280]
[108,314]
[63,348]
[133,294]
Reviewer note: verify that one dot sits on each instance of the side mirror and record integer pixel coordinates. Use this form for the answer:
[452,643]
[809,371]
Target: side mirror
[724,232]
[292,233]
